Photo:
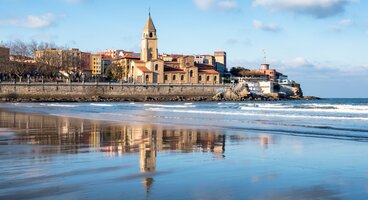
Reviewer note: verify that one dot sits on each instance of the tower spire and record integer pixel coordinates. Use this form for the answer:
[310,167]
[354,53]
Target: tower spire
[149,11]
[264,55]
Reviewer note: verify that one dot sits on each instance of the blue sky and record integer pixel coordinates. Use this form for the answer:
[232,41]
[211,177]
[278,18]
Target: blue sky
[320,43]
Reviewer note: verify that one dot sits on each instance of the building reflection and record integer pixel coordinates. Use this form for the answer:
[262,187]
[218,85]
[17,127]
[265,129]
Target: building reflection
[70,135]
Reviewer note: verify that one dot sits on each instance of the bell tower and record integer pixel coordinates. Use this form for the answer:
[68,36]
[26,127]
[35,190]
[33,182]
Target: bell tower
[149,50]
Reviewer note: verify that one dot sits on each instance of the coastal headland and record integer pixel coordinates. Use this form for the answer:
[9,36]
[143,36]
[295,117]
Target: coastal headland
[113,92]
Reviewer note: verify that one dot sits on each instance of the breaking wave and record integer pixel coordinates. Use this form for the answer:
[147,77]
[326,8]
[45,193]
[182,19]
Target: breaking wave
[101,104]
[273,115]
[186,105]
[58,105]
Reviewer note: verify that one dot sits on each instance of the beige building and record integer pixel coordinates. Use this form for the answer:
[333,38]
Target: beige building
[220,58]
[152,68]
[4,54]
[96,64]
[71,58]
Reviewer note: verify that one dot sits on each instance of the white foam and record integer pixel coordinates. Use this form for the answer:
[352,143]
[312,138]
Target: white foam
[58,105]
[170,106]
[321,110]
[100,105]
[261,114]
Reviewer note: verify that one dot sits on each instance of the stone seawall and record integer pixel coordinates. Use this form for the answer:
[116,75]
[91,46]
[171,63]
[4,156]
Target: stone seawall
[107,92]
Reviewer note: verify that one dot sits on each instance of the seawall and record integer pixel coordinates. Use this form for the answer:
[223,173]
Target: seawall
[107,92]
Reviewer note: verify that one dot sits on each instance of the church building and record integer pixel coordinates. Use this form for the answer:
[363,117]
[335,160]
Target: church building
[153,68]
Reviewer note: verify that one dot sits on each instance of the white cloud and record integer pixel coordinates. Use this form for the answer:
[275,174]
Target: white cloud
[226,5]
[266,27]
[346,22]
[204,4]
[32,21]
[316,8]
[341,25]
[296,62]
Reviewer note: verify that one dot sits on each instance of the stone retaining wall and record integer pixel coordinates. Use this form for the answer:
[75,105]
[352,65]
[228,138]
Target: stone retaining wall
[73,91]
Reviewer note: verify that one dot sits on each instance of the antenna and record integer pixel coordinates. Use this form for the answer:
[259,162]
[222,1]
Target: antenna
[264,56]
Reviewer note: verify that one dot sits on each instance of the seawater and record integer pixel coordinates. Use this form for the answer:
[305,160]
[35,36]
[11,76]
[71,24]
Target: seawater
[185,150]
[326,118]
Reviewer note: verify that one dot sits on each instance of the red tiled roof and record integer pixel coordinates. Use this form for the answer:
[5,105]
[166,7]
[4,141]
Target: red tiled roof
[252,73]
[172,62]
[130,57]
[144,70]
[203,65]
[208,71]
[139,61]
[172,55]
[172,69]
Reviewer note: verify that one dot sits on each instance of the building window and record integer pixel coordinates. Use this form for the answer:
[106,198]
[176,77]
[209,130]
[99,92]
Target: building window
[165,77]
[215,78]
[208,78]
[147,78]
[156,67]
[191,73]
[174,77]
[182,77]
[151,34]
[200,78]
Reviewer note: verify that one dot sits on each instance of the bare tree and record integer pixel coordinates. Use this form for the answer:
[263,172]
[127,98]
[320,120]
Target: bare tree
[20,55]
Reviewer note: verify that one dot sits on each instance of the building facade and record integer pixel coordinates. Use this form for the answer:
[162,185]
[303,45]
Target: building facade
[70,59]
[220,58]
[4,54]
[167,69]
[96,64]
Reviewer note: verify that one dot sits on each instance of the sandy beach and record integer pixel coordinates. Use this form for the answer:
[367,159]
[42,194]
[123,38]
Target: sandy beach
[151,157]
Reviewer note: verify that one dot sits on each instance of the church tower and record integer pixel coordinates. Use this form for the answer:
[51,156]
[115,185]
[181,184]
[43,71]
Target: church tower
[149,50]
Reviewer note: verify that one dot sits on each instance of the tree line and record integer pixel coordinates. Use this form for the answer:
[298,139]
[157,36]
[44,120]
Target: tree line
[47,66]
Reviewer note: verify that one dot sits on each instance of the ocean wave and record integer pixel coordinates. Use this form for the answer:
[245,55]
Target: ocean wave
[305,109]
[170,106]
[100,104]
[262,114]
[58,105]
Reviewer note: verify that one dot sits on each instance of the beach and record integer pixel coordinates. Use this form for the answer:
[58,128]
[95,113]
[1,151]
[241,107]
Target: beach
[178,150]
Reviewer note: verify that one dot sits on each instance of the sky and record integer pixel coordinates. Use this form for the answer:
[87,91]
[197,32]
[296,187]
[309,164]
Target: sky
[322,44]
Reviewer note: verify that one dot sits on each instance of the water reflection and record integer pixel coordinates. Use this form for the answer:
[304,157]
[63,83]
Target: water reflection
[50,156]
[63,135]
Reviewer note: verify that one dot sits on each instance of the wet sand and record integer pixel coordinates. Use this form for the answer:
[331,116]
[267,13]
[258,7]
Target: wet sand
[50,157]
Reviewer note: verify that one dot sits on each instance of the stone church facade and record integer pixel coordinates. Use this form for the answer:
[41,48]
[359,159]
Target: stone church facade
[152,67]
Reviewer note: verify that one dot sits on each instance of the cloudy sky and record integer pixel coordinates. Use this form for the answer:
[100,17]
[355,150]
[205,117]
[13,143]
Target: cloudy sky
[323,44]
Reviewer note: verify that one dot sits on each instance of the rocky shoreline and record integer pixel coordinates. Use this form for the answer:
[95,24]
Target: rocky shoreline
[148,99]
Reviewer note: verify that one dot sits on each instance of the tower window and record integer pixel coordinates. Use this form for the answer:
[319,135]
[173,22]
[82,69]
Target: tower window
[208,78]
[200,78]
[174,77]
[182,77]
[156,67]
[191,73]
[151,34]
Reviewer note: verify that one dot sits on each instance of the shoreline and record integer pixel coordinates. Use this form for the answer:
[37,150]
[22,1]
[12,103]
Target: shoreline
[142,98]
[115,92]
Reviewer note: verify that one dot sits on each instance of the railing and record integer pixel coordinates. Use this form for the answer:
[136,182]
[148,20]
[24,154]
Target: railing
[110,84]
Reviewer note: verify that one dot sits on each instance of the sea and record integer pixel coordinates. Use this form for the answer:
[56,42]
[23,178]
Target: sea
[313,149]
